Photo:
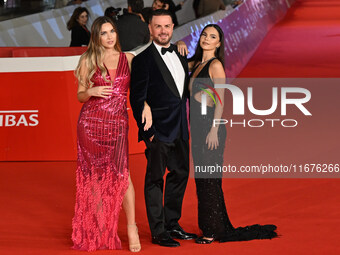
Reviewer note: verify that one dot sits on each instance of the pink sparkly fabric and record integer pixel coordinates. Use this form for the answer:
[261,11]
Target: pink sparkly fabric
[102,170]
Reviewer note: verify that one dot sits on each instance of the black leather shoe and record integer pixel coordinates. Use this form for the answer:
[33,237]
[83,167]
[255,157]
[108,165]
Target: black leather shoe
[179,233]
[164,239]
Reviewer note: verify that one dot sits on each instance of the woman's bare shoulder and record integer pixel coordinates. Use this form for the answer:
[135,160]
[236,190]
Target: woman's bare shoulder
[129,56]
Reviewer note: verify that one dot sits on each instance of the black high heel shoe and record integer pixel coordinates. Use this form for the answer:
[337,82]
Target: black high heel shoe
[203,240]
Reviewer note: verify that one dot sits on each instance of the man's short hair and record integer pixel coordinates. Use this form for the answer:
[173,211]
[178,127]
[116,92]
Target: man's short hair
[160,12]
[136,5]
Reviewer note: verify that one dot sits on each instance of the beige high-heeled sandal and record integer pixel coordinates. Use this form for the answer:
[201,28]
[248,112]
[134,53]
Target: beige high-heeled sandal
[137,246]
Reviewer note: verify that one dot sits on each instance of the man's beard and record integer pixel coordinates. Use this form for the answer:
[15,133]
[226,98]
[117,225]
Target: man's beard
[163,43]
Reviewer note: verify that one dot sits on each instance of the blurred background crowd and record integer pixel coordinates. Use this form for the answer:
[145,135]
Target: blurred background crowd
[136,18]
[16,8]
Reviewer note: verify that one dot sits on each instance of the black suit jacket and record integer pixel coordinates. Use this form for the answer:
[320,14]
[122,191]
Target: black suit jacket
[132,31]
[151,81]
[79,36]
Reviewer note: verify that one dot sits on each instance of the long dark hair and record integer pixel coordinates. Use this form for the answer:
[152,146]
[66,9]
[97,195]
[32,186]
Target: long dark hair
[75,15]
[219,53]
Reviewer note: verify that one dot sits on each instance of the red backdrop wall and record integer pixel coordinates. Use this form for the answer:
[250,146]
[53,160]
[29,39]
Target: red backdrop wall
[50,133]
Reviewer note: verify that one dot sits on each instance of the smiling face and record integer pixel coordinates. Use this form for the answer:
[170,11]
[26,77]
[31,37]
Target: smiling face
[108,36]
[210,39]
[161,29]
[82,19]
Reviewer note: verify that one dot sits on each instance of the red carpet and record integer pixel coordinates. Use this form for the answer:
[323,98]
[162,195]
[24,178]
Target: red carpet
[37,202]
[305,44]
[37,198]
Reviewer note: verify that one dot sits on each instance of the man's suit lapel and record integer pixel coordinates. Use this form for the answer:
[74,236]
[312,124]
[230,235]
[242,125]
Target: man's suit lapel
[169,80]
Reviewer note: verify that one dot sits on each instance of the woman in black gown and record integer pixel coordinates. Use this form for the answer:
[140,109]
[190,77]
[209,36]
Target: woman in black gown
[208,142]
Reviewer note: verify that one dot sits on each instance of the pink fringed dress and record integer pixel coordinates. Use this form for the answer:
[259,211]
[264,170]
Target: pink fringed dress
[102,170]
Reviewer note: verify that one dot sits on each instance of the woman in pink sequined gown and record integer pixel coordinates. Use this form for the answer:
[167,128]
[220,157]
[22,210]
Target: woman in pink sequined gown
[103,181]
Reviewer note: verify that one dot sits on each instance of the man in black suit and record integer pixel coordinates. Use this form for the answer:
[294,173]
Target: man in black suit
[132,30]
[159,77]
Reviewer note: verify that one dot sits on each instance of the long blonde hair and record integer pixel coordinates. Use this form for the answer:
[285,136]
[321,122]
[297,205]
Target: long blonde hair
[94,55]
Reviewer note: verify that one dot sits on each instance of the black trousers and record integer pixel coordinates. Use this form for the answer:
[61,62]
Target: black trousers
[175,157]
